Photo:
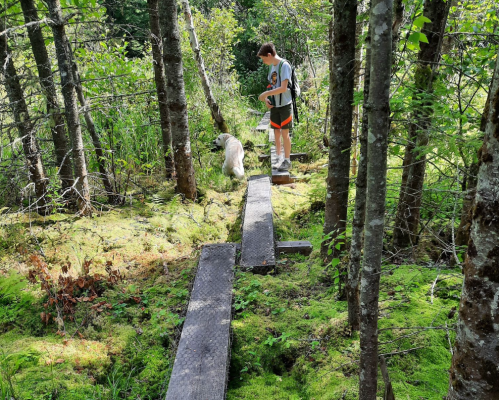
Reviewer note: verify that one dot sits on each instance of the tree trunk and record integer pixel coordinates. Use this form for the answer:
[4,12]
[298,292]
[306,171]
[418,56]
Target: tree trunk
[474,373]
[71,106]
[408,211]
[341,88]
[159,77]
[177,103]
[212,104]
[398,19]
[99,151]
[463,231]
[353,283]
[36,172]
[357,86]
[56,119]
[380,22]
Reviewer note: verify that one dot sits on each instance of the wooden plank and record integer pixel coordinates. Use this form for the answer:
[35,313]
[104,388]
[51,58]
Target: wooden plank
[258,252]
[278,177]
[301,246]
[301,157]
[263,125]
[202,360]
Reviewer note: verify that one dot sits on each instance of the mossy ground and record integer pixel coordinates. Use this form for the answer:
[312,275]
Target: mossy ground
[290,337]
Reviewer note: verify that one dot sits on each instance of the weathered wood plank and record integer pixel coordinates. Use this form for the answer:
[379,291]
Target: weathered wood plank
[301,157]
[279,177]
[202,360]
[258,252]
[263,125]
[301,246]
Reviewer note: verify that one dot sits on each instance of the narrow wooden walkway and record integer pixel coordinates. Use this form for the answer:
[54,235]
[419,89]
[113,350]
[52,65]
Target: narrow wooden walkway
[202,361]
[201,365]
[258,247]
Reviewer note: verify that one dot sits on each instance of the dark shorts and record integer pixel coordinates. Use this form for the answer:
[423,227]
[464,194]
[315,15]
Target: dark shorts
[282,117]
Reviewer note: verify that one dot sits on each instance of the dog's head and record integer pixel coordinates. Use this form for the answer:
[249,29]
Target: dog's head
[221,139]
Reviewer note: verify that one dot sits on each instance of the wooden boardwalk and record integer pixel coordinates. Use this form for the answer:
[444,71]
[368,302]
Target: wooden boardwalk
[258,246]
[200,371]
[202,361]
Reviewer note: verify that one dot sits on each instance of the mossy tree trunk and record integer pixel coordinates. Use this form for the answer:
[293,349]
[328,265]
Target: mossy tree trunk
[474,373]
[380,22]
[341,87]
[92,129]
[31,149]
[177,102]
[55,117]
[411,191]
[159,78]
[71,106]
[205,82]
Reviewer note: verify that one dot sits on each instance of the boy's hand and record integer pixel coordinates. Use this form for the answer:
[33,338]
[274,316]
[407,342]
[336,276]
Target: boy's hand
[268,104]
[263,96]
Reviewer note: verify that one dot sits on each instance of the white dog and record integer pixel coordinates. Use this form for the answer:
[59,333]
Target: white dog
[234,154]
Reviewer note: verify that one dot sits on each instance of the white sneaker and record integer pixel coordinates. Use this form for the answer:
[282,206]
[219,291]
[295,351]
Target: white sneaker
[285,166]
[278,163]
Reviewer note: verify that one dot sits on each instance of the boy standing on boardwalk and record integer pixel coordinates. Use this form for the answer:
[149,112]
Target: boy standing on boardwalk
[278,99]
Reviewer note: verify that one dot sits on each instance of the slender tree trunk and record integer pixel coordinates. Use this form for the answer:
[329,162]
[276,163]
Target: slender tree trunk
[408,211]
[99,151]
[341,88]
[463,231]
[159,77]
[212,104]
[36,172]
[177,103]
[353,283]
[380,22]
[398,19]
[357,86]
[71,106]
[56,119]
[474,373]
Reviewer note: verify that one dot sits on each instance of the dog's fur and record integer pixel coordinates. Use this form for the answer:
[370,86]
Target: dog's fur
[234,154]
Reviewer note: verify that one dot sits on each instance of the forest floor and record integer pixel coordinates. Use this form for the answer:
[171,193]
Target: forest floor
[290,335]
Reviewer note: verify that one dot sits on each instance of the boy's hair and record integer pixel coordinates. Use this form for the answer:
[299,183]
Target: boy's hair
[266,49]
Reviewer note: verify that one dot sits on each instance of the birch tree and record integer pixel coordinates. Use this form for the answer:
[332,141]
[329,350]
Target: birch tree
[380,22]
[408,211]
[31,149]
[71,106]
[177,102]
[210,99]
[341,87]
[474,373]
[55,116]
[159,78]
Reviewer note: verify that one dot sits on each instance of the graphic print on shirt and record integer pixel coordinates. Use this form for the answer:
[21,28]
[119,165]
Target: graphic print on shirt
[274,78]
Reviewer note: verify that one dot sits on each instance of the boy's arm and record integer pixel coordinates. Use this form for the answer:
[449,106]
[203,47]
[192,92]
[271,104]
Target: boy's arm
[273,92]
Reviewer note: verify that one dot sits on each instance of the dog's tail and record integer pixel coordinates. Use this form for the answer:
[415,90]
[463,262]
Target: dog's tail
[239,173]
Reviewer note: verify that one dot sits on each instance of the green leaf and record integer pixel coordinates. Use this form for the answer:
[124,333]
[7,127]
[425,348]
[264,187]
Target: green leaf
[422,37]
[419,21]
[414,37]
[335,262]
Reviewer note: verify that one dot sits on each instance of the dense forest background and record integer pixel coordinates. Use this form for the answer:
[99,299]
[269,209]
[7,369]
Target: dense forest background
[95,279]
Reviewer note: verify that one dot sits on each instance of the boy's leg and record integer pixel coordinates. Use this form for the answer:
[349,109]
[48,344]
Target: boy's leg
[287,143]
[277,136]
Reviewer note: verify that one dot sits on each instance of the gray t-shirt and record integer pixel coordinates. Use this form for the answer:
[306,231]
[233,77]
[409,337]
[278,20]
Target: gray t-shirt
[275,82]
